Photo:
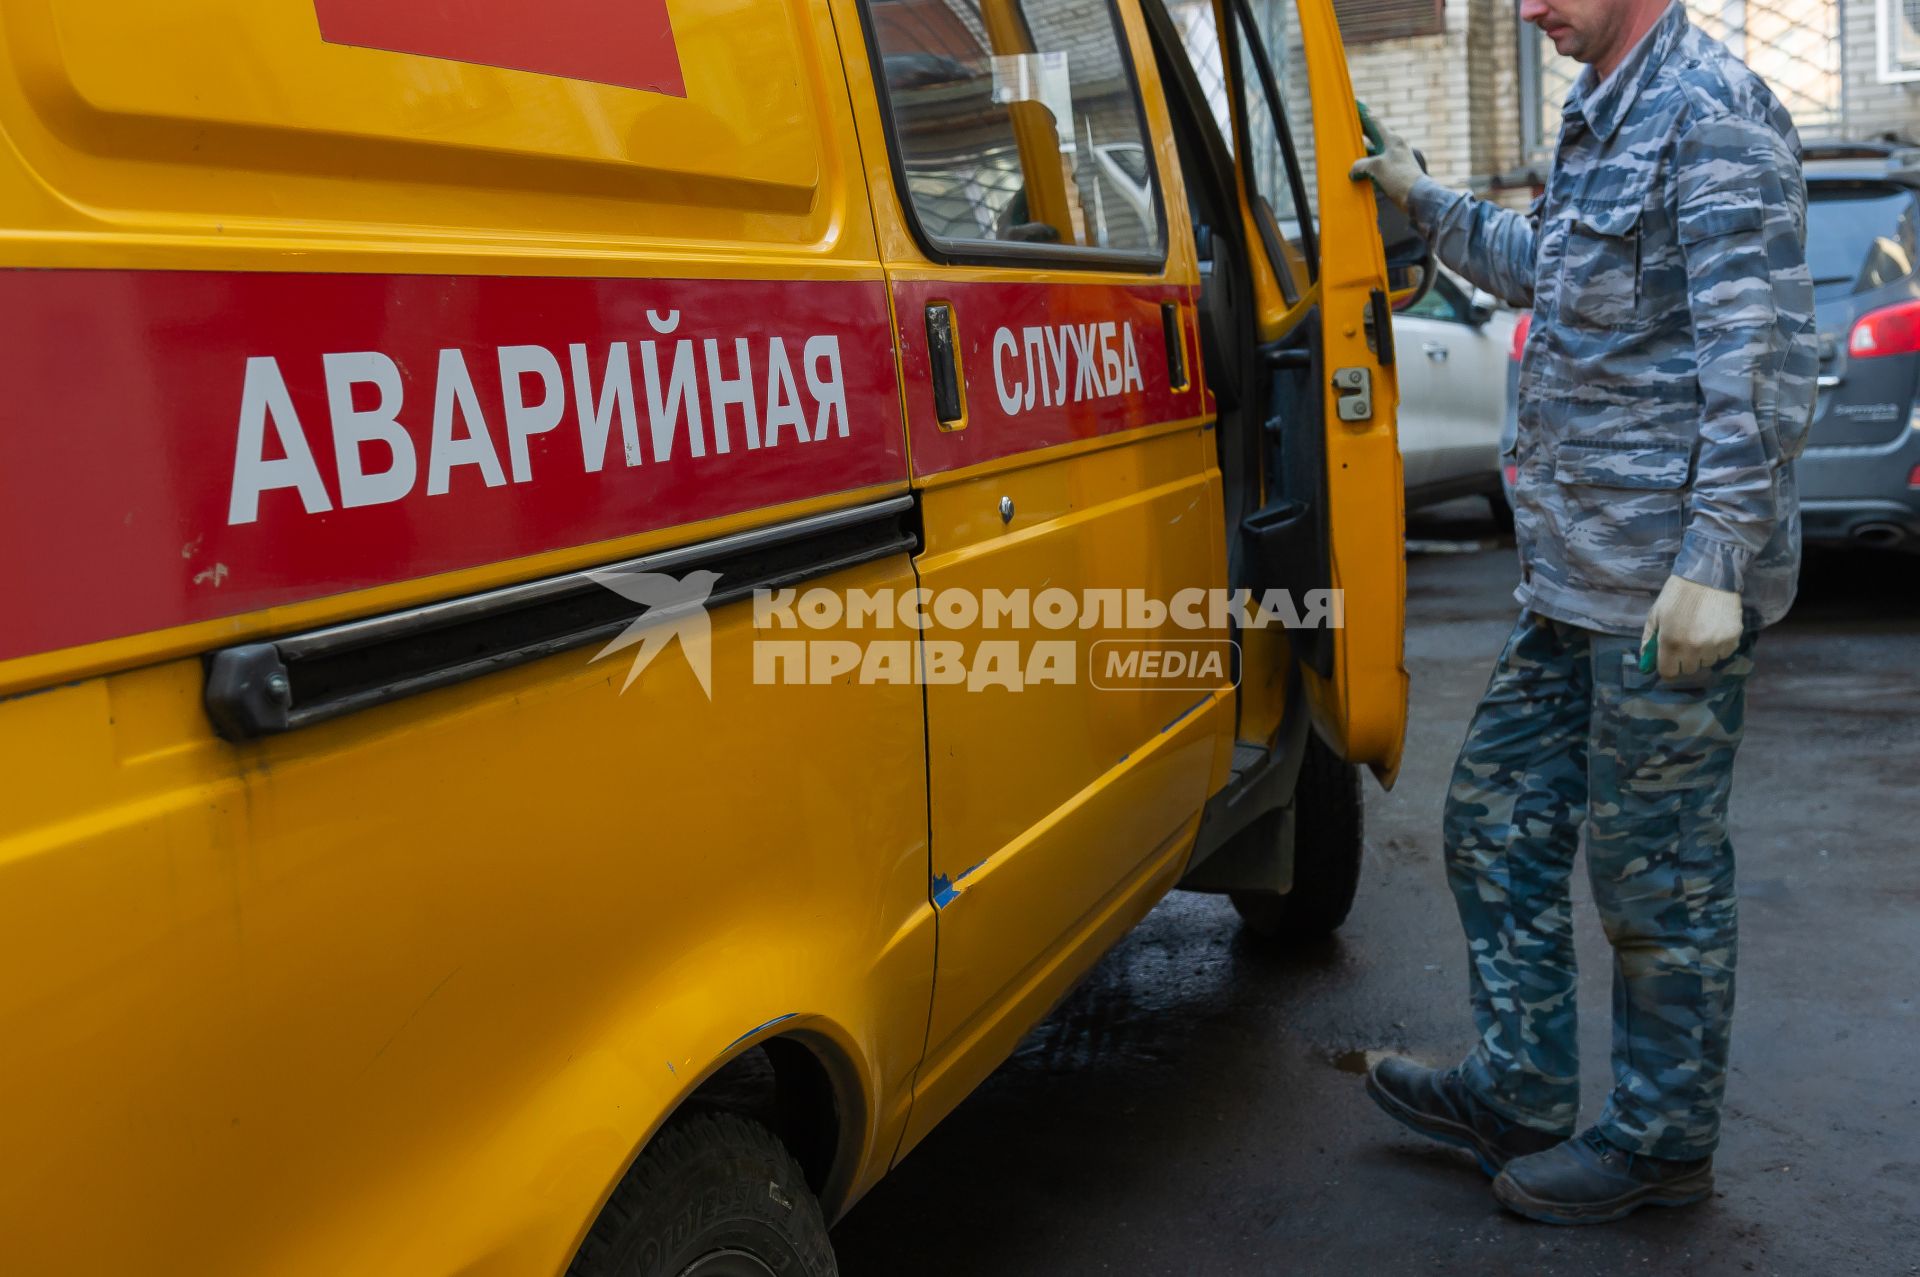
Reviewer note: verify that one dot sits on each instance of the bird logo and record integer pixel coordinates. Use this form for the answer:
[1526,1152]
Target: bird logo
[676,608]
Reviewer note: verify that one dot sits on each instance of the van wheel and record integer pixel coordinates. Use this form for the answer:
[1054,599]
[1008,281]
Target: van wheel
[714,1195]
[1327,840]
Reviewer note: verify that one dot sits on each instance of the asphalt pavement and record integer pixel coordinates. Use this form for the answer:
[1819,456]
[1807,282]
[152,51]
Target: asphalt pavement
[1196,1106]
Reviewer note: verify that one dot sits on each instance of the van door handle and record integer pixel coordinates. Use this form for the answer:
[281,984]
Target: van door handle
[1175,333]
[1436,351]
[949,402]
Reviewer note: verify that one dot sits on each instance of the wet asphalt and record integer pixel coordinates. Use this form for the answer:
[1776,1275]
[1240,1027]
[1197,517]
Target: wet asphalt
[1196,1106]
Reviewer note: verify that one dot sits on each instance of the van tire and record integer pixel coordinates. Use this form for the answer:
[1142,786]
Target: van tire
[711,1187]
[1328,837]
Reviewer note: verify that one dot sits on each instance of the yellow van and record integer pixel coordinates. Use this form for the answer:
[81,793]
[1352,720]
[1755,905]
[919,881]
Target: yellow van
[604,601]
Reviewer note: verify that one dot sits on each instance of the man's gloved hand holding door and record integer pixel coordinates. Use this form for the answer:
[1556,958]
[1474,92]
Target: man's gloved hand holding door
[1392,166]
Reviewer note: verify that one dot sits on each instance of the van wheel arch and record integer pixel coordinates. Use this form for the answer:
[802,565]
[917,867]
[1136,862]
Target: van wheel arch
[803,1089]
[800,1086]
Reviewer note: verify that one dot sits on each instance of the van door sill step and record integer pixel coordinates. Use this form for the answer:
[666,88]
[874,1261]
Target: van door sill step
[1246,756]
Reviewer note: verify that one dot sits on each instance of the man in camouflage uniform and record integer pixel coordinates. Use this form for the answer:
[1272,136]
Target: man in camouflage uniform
[1665,390]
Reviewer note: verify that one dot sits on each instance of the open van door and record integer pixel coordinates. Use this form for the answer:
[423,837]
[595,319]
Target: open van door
[1310,457]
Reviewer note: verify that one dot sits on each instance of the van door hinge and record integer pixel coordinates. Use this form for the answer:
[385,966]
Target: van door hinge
[1353,393]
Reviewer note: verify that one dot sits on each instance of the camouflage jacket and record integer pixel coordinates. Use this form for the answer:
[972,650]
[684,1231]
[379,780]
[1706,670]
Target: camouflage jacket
[1667,381]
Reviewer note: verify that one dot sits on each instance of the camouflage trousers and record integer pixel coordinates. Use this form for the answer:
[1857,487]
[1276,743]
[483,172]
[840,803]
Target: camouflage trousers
[1571,733]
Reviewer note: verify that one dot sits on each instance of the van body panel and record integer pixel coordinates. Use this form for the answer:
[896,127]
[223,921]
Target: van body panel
[174,119]
[1040,364]
[311,434]
[1044,797]
[1362,707]
[1358,695]
[313,315]
[23,674]
[975,1037]
[377,985]
[1082,468]
[406,991]
[216,139]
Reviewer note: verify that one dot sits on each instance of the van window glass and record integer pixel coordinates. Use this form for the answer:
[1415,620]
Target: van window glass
[1279,164]
[1017,122]
[1861,236]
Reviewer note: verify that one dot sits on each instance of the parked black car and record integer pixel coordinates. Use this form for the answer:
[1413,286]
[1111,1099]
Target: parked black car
[1860,474]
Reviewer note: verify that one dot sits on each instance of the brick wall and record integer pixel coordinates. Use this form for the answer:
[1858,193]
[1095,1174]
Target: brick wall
[1455,96]
[1419,85]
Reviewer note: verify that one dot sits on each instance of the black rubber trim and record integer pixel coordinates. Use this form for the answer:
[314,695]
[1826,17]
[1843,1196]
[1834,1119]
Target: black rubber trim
[1276,107]
[280,685]
[1381,314]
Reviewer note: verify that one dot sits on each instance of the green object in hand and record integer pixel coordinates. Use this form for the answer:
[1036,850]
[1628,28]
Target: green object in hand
[1376,140]
[1650,654]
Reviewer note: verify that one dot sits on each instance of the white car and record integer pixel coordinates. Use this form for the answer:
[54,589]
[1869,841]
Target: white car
[1453,347]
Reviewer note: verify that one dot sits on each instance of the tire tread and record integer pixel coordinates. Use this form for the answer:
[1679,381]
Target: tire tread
[1328,837]
[687,1146]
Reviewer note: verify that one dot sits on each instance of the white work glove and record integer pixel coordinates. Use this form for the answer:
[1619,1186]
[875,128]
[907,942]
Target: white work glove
[1697,624]
[1393,170]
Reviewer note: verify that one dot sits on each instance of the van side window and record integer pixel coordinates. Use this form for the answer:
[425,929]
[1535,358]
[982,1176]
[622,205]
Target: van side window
[1017,123]
[1279,128]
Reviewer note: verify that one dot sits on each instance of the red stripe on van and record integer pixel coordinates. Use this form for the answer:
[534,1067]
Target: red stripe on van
[1017,404]
[148,467]
[621,42]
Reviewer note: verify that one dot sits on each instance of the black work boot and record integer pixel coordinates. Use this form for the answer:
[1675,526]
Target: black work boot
[1588,1180]
[1437,1104]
